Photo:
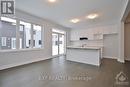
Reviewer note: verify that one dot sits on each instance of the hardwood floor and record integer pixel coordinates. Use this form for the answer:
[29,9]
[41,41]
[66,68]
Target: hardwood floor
[62,73]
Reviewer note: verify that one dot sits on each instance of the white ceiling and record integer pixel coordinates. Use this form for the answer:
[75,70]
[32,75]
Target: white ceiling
[64,10]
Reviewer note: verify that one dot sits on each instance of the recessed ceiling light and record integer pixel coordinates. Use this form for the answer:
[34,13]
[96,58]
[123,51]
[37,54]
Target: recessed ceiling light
[92,16]
[52,1]
[75,20]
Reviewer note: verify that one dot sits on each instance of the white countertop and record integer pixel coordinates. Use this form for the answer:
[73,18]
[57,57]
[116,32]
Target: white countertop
[85,47]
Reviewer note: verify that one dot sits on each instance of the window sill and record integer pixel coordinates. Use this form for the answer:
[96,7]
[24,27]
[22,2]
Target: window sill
[21,50]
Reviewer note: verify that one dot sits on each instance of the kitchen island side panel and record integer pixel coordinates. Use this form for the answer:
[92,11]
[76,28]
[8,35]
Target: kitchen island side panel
[86,56]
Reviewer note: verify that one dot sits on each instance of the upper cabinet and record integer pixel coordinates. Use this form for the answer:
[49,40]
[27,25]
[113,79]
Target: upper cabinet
[98,36]
[110,30]
[77,34]
[94,33]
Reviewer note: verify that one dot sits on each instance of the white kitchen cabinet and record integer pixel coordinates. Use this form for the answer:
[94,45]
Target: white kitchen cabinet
[110,30]
[93,34]
[98,36]
[74,37]
[76,34]
[87,55]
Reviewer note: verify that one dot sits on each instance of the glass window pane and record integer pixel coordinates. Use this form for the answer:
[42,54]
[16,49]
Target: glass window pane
[7,33]
[61,44]
[37,39]
[25,35]
[54,44]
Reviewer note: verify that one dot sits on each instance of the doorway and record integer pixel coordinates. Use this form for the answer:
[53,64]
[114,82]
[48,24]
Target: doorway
[127,38]
[127,41]
[58,43]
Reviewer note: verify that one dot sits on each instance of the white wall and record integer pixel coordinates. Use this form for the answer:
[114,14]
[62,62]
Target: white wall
[110,42]
[12,58]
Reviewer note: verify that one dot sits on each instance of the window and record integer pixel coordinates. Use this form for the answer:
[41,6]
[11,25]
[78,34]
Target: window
[3,41]
[37,36]
[20,43]
[25,35]
[29,35]
[7,32]
[13,43]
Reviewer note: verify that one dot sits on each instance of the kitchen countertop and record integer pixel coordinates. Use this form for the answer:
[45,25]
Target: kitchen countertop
[85,47]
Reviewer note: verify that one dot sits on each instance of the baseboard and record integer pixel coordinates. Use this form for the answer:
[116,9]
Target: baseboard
[23,63]
[121,60]
[58,55]
[116,58]
[127,59]
[108,57]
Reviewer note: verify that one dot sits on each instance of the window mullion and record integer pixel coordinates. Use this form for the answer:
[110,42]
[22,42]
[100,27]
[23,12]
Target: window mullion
[17,33]
[0,27]
[42,37]
[32,36]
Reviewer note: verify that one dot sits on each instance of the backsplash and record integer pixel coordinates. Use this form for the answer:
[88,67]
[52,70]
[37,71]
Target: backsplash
[88,43]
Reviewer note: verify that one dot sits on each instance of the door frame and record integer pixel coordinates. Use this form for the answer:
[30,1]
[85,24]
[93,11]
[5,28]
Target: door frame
[58,44]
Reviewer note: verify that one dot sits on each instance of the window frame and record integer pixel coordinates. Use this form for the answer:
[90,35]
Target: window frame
[18,38]
[3,41]
[30,35]
[13,20]
[41,35]
[13,43]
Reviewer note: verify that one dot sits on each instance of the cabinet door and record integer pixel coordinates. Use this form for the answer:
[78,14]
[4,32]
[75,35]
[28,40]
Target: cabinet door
[98,36]
[74,35]
[110,30]
[90,34]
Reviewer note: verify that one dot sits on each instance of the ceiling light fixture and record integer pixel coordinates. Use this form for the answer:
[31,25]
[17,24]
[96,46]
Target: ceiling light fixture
[75,20]
[92,16]
[52,1]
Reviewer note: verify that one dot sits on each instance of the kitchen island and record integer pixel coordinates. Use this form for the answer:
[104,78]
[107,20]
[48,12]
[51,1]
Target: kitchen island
[89,55]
